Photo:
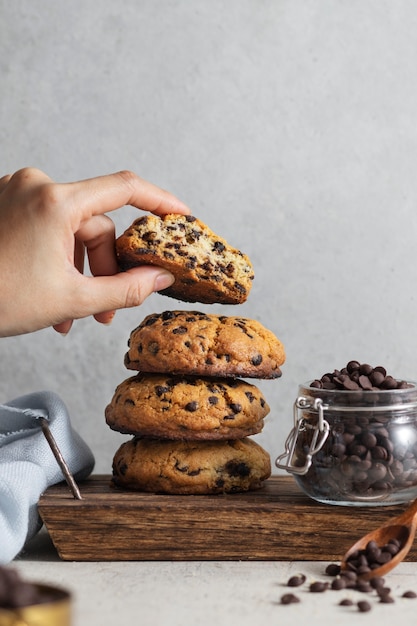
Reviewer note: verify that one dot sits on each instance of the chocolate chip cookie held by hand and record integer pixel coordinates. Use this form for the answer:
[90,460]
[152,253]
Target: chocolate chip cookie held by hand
[206,268]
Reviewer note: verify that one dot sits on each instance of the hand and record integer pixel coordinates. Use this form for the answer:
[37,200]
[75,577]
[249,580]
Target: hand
[45,230]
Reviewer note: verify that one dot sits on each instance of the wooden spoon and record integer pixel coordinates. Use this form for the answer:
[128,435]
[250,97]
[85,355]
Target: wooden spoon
[403,528]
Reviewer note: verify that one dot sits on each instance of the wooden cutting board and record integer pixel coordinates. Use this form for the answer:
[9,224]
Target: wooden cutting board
[277,522]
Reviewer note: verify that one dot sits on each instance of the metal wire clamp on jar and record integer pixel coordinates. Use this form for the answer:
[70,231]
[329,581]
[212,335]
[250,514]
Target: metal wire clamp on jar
[354,448]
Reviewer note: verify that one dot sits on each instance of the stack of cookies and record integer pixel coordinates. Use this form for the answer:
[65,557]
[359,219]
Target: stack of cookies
[187,408]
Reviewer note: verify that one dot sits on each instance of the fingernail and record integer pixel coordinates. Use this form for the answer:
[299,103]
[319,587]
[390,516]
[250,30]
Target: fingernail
[162,281]
[110,318]
[61,334]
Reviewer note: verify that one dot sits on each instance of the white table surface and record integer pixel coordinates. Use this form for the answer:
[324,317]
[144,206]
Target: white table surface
[207,593]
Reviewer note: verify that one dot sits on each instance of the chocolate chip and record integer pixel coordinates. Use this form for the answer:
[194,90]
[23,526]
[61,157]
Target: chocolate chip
[180,330]
[122,469]
[368,439]
[392,548]
[389,383]
[167,315]
[240,287]
[376,378]
[363,586]
[338,583]
[150,235]
[364,606]
[364,382]
[386,599]
[316,384]
[353,366]
[256,360]
[195,472]
[384,557]
[191,406]
[377,582]
[333,569]
[296,581]
[346,602]
[350,385]
[218,246]
[153,347]
[237,468]
[289,598]
[318,587]
[181,468]
[193,236]
[409,594]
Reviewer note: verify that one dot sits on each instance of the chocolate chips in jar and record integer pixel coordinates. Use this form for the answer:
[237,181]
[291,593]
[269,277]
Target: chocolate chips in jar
[356,437]
[359,377]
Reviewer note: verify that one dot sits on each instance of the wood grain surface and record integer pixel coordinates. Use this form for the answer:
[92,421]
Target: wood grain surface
[277,522]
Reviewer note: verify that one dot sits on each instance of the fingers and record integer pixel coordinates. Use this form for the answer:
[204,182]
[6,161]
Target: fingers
[79,255]
[63,221]
[97,235]
[63,328]
[107,193]
[29,177]
[3,181]
[100,296]
[104,294]
[102,194]
[105,318]
[23,187]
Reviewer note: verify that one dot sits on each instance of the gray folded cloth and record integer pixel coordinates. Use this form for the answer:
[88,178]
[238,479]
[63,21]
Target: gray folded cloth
[28,465]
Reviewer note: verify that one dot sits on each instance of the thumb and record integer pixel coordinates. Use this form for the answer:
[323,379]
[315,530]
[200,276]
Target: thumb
[126,289]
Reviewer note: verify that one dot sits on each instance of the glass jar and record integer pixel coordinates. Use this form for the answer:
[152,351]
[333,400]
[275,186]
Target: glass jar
[354,448]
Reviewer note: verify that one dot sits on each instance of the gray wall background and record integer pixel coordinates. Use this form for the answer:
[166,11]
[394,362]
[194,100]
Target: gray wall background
[288,126]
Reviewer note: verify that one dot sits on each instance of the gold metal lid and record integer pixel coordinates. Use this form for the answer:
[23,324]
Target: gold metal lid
[56,611]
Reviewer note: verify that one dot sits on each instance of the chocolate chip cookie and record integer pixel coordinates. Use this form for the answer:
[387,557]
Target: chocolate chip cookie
[206,268]
[190,467]
[186,408]
[200,344]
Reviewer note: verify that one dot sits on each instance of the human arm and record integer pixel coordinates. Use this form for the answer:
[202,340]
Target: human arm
[47,229]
